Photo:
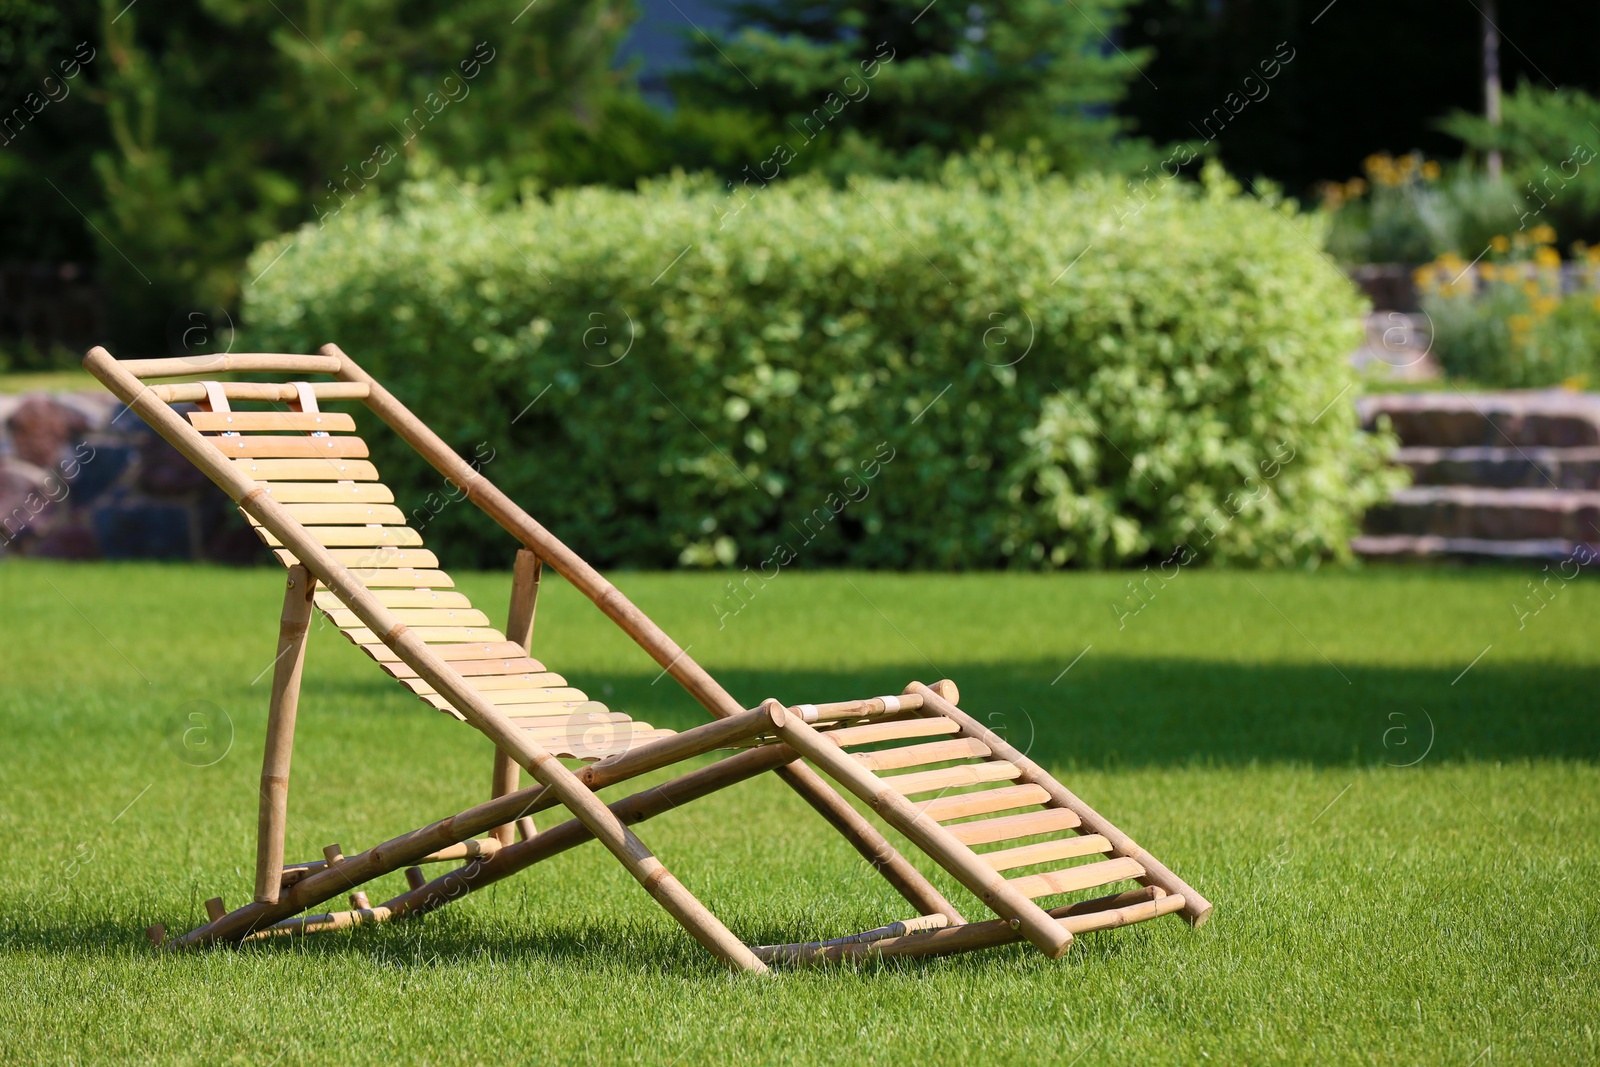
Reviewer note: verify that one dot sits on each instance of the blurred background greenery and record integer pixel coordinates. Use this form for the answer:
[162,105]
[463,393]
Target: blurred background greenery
[190,132]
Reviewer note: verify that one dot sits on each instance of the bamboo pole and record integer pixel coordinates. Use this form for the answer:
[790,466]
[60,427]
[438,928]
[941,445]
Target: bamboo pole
[940,845]
[282,708]
[905,878]
[519,630]
[557,839]
[719,733]
[879,709]
[1081,918]
[229,363]
[1196,908]
[425,896]
[322,881]
[470,849]
[545,767]
[268,391]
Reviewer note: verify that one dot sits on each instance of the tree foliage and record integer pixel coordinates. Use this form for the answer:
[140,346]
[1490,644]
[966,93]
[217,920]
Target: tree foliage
[201,129]
[898,85]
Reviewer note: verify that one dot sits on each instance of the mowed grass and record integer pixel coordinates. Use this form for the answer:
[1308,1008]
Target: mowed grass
[1251,730]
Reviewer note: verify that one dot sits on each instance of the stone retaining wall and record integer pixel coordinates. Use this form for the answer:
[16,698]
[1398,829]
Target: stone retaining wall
[81,477]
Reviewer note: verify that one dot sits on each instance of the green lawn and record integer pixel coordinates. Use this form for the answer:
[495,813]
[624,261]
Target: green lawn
[1244,727]
[48,381]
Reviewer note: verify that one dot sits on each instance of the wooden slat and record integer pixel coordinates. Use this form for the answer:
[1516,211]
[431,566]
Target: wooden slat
[346,514]
[482,650]
[362,560]
[558,723]
[406,578]
[1065,848]
[354,536]
[474,668]
[490,683]
[922,755]
[270,446]
[307,470]
[1072,879]
[520,697]
[345,619]
[851,736]
[595,754]
[256,421]
[402,598]
[486,635]
[950,777]
[600,735]
[961,805]
[329,492]
[1011,827]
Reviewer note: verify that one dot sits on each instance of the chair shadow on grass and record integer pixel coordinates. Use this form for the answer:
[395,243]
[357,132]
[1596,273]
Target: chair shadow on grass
[1111,712]
[453,937]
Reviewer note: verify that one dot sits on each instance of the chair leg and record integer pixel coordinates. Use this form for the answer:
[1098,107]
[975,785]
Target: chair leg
[519,628]
[285,702]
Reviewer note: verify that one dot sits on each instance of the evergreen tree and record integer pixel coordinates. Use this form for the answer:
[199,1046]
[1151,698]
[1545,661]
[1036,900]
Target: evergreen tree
[197,130]
[897,85]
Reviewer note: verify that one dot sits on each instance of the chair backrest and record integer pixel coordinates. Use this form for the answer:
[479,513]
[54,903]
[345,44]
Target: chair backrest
[273,441]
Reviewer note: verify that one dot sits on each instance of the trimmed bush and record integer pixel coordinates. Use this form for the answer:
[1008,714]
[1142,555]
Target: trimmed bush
[993,370]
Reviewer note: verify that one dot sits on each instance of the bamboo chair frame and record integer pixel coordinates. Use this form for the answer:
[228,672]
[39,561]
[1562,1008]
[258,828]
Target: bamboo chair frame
[786,740]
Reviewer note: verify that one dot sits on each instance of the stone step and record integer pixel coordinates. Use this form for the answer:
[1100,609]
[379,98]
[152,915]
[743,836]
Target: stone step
[1533,467]
[1401,547]
[1489,514]
[1549,418]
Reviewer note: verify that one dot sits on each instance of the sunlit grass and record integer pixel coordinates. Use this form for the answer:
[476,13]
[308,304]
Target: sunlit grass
[1249,729]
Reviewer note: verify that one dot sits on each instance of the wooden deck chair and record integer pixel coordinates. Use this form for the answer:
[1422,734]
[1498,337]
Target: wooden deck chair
[962,796]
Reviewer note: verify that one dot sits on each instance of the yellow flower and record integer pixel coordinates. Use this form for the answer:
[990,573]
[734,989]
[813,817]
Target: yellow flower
[1380,167]
[1546,256]
[1543,305]
[1355,188]
[1576,384]
[1595,300]
[1520,324]
[1499,243]
[1592,254]
[1430,171]
[1530,288]
[1543,234]
[1488,272]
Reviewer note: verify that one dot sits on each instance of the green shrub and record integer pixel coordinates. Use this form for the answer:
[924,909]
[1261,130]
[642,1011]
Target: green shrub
[994,370]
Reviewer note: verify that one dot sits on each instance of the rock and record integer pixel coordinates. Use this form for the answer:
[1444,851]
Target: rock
[70,540]
[143,530]
[164,472]
[1504,468]
[42,429]
[24,500]
[1546,418]
[1457,511]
